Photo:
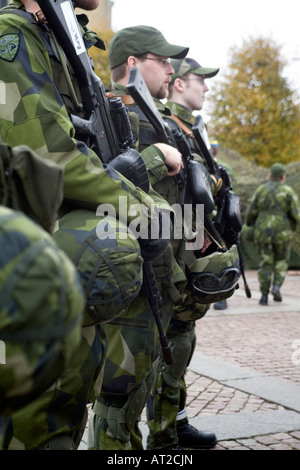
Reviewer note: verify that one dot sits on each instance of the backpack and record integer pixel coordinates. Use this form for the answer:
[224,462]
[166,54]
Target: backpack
[30,184]
[108,259]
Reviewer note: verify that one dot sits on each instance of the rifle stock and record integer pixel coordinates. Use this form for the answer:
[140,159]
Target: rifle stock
[199,132]
[140,93]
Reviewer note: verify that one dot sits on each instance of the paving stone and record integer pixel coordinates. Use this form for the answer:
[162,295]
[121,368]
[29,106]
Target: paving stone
[267,440]
[280,446]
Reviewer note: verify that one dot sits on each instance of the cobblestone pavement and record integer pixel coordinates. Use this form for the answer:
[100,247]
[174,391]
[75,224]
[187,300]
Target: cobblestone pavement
[265,339]
[260,338]
[207,397]
[259,343]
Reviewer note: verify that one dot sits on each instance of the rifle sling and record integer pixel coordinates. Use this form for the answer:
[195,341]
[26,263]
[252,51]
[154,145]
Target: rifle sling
[186,130]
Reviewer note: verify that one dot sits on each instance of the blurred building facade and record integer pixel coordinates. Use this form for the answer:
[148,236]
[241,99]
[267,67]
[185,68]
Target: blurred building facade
[100,19]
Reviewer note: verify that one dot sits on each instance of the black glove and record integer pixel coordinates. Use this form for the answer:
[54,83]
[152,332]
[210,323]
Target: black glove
[131,165]
[161,224]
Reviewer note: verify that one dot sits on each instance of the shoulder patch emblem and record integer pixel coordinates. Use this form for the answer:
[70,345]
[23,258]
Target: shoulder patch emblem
[9,46]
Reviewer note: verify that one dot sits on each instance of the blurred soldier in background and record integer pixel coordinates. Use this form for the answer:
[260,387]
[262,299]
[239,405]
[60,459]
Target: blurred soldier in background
[274,212]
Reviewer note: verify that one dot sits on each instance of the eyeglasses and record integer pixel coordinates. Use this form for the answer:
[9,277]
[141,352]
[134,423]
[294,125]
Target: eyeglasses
[165,61]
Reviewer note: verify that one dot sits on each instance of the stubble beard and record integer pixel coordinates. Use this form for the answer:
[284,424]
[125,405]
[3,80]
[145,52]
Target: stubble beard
[162,93]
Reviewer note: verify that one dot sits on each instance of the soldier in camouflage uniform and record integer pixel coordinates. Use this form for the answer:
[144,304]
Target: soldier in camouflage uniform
[274,212]
[168,421]
[36,112]
[133,347]
[35,276]
[146,48]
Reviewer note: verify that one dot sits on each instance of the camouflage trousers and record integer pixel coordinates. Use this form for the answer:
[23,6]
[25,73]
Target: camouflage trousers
[4,422]
[166,404]
[56,420]
[273,264]
[132,356]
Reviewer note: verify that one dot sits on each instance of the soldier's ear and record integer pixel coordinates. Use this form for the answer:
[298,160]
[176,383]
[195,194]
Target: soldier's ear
[131,61]
[179,84]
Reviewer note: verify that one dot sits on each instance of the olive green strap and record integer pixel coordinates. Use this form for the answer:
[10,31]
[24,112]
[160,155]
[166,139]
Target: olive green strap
[76,103]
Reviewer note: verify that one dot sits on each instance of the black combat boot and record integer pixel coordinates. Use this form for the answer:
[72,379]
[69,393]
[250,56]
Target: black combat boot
[222,305]
[264,299]
[276,293]
[189,436]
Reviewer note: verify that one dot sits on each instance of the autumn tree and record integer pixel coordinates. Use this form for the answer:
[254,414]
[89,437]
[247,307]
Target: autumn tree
[252,109]
[100,57]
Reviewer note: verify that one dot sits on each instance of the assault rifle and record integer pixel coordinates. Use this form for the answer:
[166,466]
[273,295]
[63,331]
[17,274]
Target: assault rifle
[106,128]
[99,125]
[228,221]
[225,196]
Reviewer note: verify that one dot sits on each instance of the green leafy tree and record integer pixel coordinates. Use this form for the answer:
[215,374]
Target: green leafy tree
[252,109]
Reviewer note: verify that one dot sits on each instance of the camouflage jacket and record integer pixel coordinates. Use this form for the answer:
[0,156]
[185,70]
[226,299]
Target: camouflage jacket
[33,112]
[274,212]
[187,120]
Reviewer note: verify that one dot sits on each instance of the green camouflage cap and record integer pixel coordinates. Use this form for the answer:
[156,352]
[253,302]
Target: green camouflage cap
[138,40]
[277,170]
[184,66]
